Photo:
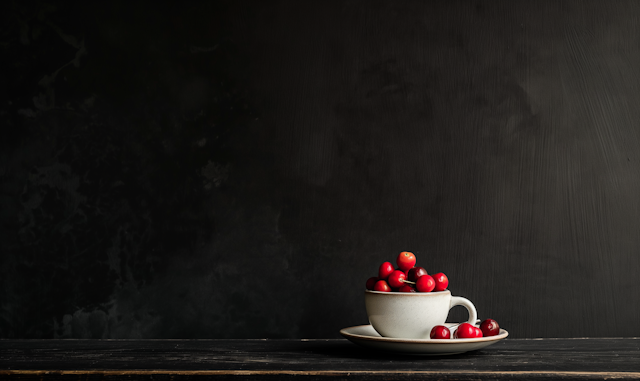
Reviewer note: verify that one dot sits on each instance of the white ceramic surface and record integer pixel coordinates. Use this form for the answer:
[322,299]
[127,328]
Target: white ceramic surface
[366,336]
[412,315]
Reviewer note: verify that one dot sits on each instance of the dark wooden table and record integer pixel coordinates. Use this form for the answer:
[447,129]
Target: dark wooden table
[522,359]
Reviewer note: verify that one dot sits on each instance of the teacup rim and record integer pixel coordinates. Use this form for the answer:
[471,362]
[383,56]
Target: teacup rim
[447,291]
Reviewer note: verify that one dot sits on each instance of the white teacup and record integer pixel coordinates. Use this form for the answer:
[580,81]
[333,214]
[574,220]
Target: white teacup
[412,315]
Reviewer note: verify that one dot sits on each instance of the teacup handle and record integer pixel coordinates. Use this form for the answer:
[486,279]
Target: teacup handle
[466,303]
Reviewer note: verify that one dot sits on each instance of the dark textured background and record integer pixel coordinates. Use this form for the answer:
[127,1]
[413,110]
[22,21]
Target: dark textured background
[237,169]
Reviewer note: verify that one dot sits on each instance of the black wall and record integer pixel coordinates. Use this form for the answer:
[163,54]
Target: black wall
[238,169]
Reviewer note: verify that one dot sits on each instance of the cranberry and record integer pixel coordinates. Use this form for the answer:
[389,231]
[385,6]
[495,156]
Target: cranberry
[406,288]
[441,282]
[477,331]
[425,283]
[440,332]
[385,270]
[396,279]
[371,282]
[489,327]
[465,331]
[415,273]
[406,260]
[382,285]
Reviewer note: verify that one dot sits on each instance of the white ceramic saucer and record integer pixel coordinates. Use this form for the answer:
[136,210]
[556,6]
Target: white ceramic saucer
[367,337]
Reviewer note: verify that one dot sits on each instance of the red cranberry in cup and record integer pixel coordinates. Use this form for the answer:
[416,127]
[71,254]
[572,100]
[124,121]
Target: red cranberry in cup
[440,332]
[465,331]
[371,282]
[489,327]
[442,282]
[396,279]
[406,260]
[385,270]
[382,285]
[406,288]
[415,273]
[425,284]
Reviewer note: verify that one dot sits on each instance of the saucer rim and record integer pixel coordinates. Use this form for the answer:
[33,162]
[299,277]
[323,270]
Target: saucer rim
[502,335]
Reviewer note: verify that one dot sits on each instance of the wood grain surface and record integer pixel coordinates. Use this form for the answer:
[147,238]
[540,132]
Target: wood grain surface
[508,359]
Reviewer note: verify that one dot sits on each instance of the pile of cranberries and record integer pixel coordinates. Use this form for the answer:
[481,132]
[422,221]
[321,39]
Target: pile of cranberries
[488,327]
[409,278]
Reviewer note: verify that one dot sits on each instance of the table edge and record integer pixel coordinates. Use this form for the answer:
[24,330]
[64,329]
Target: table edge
[143,372]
